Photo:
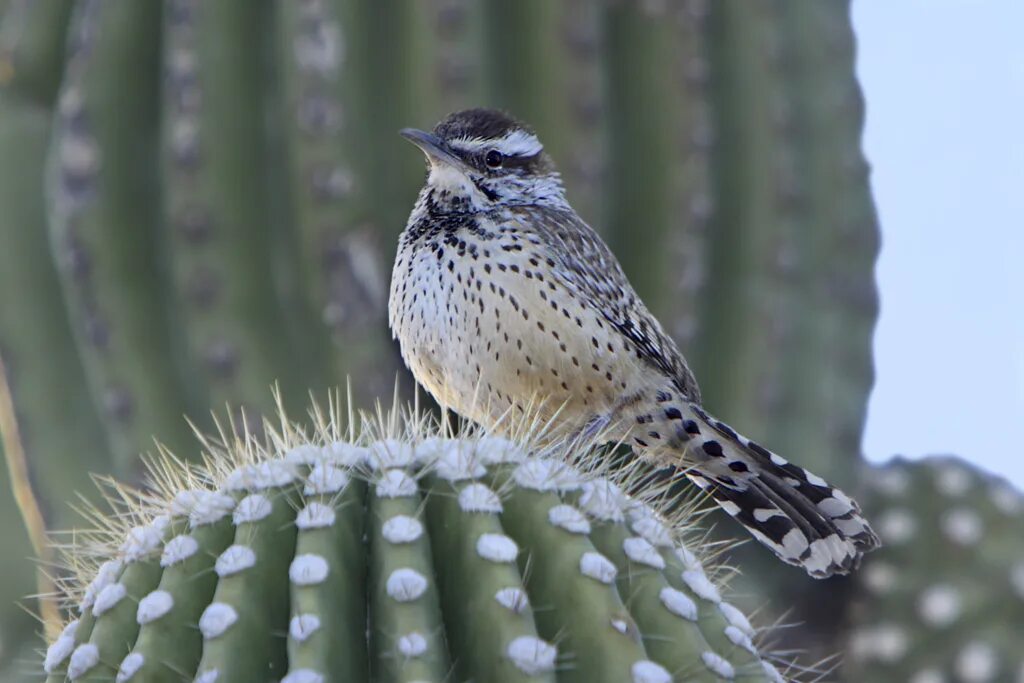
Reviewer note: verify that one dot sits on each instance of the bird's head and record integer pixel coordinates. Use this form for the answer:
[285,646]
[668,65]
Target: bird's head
[481,159]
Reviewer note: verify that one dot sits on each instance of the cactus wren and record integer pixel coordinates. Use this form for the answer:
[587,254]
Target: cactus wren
[500,293]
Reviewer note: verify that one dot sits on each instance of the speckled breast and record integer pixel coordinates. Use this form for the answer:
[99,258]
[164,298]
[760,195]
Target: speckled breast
[486,325]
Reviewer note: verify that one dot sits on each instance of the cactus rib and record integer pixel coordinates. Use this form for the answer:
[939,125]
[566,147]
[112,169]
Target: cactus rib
[217,206]
[102,195]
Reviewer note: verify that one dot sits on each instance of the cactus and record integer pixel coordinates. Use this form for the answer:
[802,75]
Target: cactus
[334,224]
[32,39]
[38,360]
[217,204]
[221,211]
[35,341]
[103,205]
[944,598]
[473,557]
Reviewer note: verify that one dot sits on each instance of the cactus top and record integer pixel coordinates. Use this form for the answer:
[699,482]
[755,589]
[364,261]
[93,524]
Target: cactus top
[471,554]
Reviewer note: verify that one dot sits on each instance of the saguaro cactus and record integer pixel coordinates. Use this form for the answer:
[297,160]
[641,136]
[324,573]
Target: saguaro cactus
[475,558]
[944,598]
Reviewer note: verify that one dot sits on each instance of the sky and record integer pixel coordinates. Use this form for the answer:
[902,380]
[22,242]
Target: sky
[944,85]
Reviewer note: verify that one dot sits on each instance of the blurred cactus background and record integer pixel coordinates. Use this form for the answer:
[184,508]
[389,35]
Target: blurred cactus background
[200,198]
[943,600]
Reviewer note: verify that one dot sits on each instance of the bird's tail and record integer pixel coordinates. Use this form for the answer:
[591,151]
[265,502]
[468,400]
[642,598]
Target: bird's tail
[800,517]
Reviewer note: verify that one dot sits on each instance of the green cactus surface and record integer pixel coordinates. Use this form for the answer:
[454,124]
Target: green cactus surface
[943,600]
[395,555]
[102,195]
[216,203]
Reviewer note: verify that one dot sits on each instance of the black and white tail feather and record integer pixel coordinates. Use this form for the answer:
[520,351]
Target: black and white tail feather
[796,514]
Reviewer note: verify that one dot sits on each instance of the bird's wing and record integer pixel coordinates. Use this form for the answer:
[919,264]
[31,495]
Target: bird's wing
[586,266]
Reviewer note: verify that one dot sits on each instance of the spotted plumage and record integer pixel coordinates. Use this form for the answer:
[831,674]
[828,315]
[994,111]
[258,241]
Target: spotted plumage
[501,296]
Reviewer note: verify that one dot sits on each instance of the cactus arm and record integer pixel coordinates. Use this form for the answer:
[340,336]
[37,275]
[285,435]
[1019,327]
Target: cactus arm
[56,658]
[102,196]
[244,614]
[301,581]
[141,548]
[57,654]
[475,566]
[105,625]
[678,609]
[217,207]
[327,631]
[945,593]
[32,37]
[406,641]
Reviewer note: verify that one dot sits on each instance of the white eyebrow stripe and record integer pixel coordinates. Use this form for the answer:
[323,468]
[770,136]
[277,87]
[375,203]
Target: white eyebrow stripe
[518,143]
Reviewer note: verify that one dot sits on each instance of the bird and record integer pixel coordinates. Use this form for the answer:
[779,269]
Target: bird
[501,293]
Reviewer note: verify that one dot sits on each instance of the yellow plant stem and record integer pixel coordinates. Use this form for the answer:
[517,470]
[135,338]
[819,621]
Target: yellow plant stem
[28,504]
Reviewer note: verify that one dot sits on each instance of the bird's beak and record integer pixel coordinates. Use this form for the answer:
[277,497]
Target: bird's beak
[432,146]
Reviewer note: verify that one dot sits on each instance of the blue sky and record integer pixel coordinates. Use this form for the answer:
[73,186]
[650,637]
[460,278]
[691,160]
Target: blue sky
[944,84]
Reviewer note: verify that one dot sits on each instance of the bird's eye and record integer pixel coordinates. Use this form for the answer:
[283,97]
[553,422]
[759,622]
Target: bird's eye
[493,158]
